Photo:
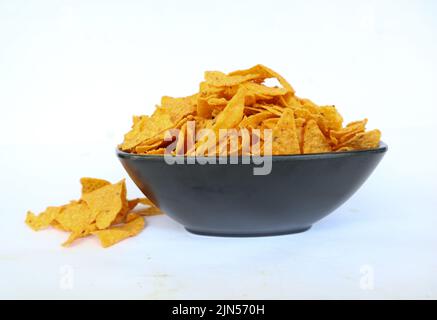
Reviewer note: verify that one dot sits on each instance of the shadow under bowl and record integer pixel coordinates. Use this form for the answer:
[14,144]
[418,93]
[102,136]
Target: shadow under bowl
[229,200]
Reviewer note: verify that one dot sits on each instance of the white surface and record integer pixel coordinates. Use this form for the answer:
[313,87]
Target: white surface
[73,72]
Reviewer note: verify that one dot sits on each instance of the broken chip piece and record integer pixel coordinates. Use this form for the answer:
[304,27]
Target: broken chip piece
[103,210]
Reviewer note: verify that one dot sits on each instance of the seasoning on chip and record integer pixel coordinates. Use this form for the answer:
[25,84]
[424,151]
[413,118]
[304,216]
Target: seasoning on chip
[241,100]
[103,210]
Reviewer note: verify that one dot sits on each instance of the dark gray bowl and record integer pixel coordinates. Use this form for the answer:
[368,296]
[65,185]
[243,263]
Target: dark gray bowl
[228,200]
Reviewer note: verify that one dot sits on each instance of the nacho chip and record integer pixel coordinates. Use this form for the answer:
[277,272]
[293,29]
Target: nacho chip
[313,139]
[75,235]
[285,140]
[113,235]
[121,216]
[133,203]
[103,207]
[333,119]
[151,211]
[144,129]
[146,202]
[231,116]
[254,120]
[106,203]
[76,216]
[146,148]
[217,101]
[219,79]
[263,91]
[264,73]
[344,134]
[364,140]
[269,123]
[44,219]
[91,184]
[271,108]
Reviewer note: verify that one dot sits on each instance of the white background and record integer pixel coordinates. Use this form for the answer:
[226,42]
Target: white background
[72,73]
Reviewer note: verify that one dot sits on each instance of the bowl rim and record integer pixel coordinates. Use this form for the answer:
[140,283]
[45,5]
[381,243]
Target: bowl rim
[383,147]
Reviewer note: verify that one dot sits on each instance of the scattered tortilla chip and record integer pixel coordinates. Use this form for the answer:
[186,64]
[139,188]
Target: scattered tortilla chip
[91,184]
[144,201]
[152,211]
[76,216]
[79,234]
[113,235]
[102,207]
[43,220]
[106,203]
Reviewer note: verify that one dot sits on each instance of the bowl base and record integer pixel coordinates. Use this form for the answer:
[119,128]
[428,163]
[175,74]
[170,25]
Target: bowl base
[246,235]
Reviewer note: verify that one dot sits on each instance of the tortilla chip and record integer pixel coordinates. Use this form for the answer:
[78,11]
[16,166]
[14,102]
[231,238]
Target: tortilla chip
[364,140]
[152,211]
[345,134]
[285,140]
[264,73]
[91,184]
[313,139]
[113,235]
[75,235]
[219,79]
[332,120]
[76,216]
[254,120]
[106,203]
[232,115]
[44,219]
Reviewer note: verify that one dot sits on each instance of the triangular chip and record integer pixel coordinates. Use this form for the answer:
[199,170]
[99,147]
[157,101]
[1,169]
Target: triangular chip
[341,136]
[285,140]
[264,73]
[233,113]
[219,79]
[364,140]
[116,234]
[254,120]
[76,216]
[79,234]
[313,139]
[91,184]
[106,203]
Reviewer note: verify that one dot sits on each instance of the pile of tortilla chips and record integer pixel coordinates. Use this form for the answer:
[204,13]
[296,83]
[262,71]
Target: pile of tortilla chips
[103,210]
[240,99]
